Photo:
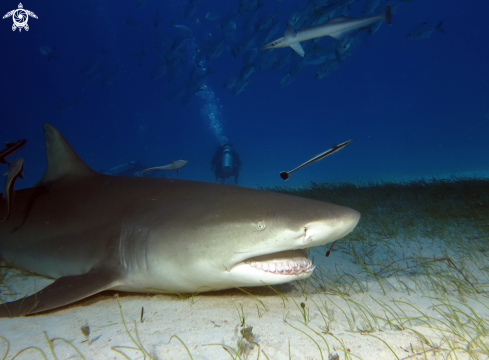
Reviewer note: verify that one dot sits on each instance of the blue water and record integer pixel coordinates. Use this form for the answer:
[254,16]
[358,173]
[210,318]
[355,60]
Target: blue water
[413,107]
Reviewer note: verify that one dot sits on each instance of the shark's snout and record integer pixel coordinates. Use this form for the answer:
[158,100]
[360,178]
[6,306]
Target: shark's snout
[330,228]
[274,44]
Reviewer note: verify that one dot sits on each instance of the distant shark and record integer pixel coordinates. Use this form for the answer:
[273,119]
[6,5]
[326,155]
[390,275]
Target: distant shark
[337,28]
[93,232]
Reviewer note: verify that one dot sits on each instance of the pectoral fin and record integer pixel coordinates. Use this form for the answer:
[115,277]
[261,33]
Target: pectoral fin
[297,47]
[63,291]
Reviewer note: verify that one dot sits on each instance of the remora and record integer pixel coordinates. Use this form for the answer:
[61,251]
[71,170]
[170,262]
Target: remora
[94,232]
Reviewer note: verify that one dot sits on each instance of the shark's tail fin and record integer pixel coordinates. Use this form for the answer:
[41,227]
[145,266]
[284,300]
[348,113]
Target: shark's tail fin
[387,16]
[61,159]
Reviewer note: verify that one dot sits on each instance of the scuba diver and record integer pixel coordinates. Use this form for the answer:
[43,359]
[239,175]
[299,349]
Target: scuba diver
[226,163]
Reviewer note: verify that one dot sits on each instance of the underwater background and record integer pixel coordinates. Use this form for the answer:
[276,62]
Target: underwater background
[122,83]
[134,84]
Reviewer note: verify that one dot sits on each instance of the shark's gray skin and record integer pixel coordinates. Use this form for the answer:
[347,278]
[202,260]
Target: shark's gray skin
[94,232]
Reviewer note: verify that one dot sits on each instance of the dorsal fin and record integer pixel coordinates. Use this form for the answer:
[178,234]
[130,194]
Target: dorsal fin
[289,34]
[61,159]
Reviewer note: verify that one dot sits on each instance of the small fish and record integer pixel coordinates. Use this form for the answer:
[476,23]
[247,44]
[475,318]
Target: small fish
[326,68]
[11,148]
[174,165]
[190,9]
[246,71]
[423,31]
[229,83]
[240,85]
[286,80]
[47,52]
[187,100]
[186,29]
[369,6]
[14,171]
[285,174]
[211,16]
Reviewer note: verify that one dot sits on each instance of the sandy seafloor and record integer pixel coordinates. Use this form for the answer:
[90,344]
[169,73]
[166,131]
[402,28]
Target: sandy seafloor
[208,321]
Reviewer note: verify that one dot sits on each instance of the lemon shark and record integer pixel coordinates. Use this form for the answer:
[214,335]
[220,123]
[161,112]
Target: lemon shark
[93,232]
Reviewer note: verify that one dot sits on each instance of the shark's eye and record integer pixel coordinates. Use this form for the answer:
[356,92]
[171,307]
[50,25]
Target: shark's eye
[260,225]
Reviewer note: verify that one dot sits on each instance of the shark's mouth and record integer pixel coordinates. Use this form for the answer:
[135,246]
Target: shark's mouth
[290,262]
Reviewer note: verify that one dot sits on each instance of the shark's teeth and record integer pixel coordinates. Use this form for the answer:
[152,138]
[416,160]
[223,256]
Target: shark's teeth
[288,267]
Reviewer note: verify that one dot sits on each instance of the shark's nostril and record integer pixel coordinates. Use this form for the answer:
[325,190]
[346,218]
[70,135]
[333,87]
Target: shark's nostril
[307,237]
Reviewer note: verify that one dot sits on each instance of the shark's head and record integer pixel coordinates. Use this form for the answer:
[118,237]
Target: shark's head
[278,43]
[280,229]
[236,237]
